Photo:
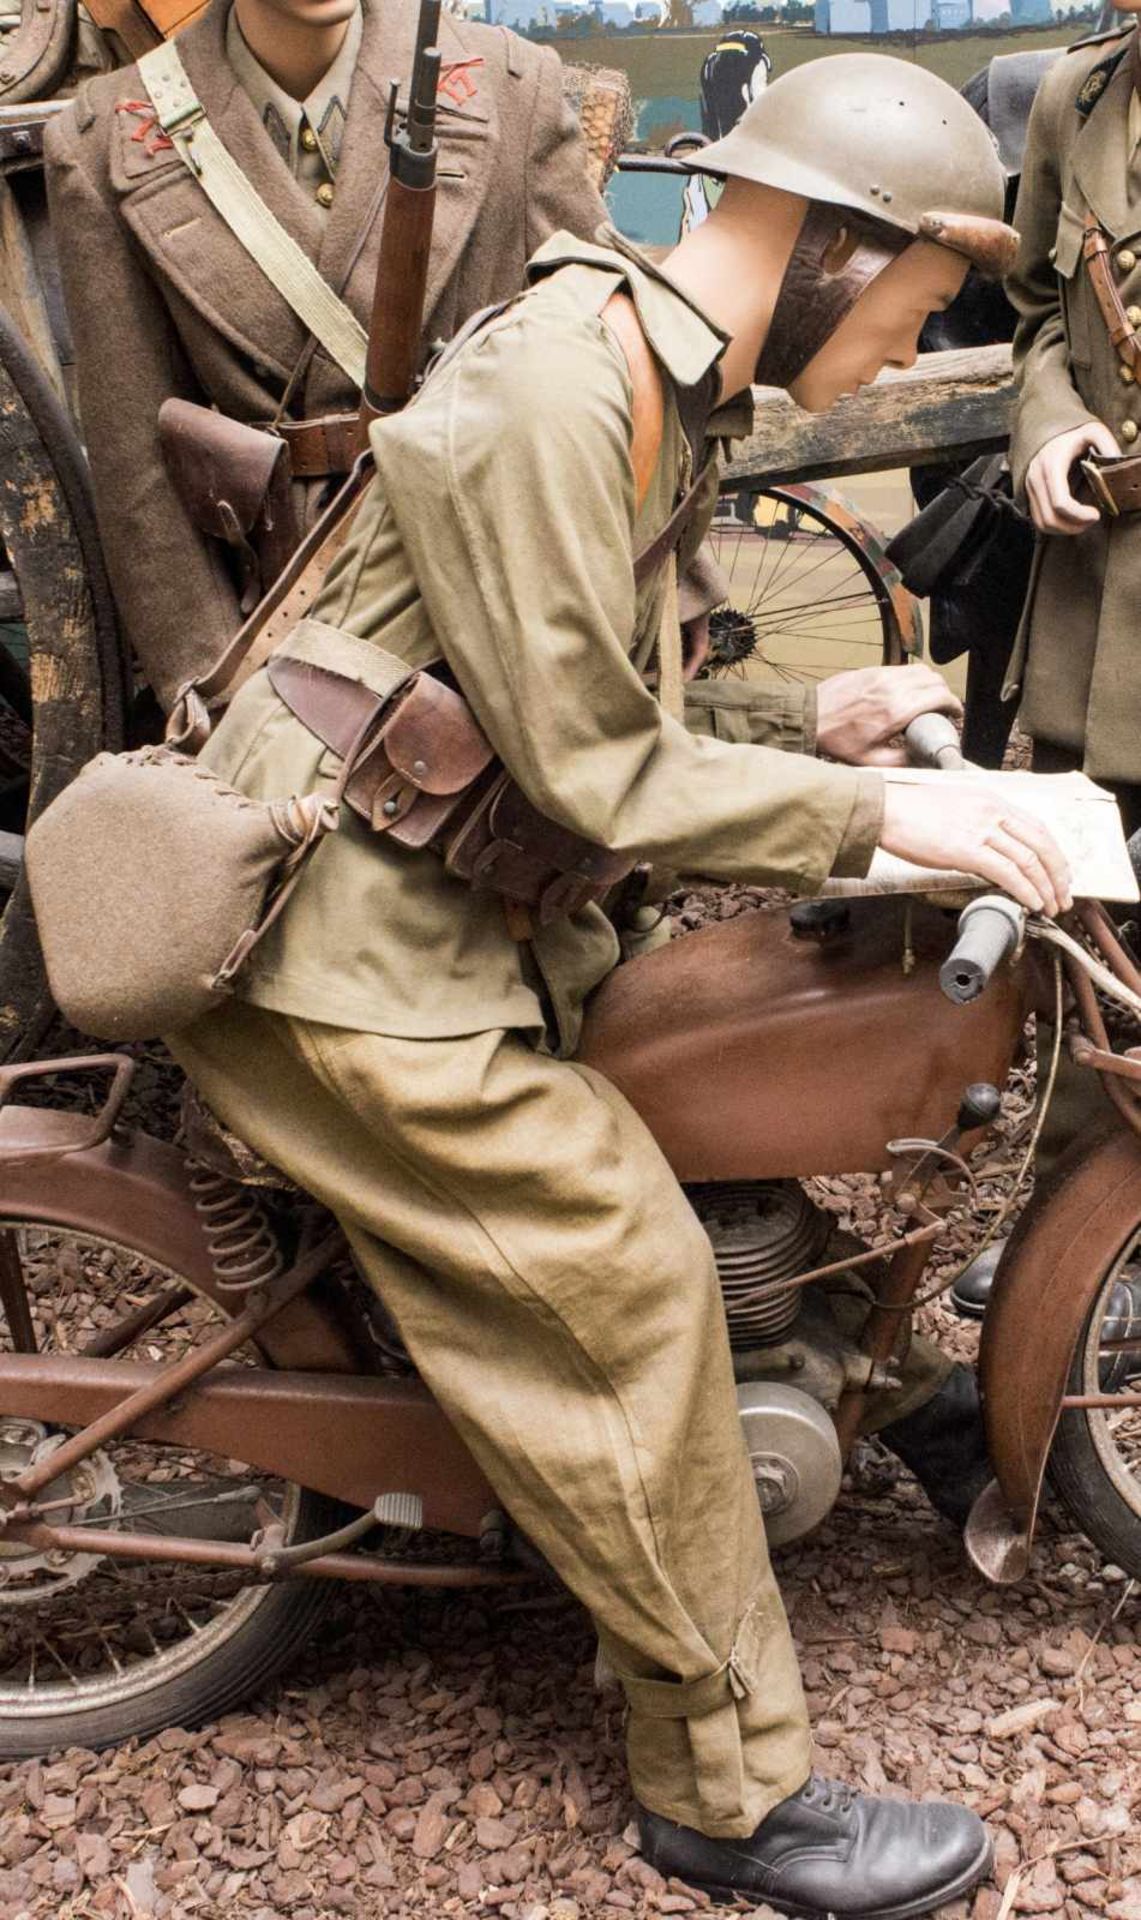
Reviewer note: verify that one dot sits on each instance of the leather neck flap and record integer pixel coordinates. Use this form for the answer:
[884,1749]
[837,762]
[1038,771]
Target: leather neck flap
[812,302]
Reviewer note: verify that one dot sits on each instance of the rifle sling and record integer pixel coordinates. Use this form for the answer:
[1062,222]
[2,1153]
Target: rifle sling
[286,266]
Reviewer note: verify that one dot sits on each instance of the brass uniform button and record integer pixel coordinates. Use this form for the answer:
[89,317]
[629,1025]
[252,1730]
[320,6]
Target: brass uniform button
[325,193]
[1128,431]
[1127,260]
[1133,315]
[1126,375]
[309,139]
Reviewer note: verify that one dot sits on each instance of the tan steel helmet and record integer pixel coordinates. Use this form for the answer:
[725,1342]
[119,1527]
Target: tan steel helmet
[885,138]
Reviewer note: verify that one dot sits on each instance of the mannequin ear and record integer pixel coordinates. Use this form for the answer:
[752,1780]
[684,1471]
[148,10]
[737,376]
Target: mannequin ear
[839,250]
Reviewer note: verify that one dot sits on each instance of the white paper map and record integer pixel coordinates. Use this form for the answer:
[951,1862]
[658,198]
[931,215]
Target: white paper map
[1082,817]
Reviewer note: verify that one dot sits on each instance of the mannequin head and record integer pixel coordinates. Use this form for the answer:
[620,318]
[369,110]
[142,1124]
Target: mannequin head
[734,263]
[296,41]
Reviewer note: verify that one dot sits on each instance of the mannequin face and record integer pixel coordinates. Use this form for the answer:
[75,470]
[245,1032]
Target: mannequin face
[882,329]
[316,13]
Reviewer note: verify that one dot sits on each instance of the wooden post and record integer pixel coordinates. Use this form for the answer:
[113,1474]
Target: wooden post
[949,406]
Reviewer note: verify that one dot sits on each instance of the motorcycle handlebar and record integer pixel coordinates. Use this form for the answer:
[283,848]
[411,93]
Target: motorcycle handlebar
[932,740]
[990,928]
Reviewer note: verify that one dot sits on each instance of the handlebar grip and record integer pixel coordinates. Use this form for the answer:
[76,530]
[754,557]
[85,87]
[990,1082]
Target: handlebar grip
[932,740]
[990,928]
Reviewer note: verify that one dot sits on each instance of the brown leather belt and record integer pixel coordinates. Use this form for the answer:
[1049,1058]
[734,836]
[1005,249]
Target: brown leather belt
[1114,486]
[427,776]
[320,447]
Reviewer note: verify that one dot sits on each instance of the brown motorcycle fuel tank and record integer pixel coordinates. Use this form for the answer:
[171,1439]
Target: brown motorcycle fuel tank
[754,1053]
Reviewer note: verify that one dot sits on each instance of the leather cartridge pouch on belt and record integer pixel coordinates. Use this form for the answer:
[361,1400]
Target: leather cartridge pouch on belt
[427,776]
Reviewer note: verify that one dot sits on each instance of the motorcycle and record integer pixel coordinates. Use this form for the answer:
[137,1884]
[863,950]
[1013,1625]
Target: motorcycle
[206,1418]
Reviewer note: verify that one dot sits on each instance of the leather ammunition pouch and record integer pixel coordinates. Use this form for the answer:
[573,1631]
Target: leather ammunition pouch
[427,776]
[234,481]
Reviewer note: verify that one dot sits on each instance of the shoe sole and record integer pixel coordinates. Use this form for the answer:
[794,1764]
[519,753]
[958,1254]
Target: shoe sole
[967,1310]
[904,1910]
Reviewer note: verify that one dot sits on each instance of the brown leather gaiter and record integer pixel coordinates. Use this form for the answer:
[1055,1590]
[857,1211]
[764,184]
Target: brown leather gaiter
[812,301]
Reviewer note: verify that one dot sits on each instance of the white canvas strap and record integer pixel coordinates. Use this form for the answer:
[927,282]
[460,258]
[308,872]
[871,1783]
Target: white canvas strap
[286,266]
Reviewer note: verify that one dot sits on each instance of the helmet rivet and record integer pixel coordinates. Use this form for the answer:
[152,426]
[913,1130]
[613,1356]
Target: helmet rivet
[886,196]
[873,189]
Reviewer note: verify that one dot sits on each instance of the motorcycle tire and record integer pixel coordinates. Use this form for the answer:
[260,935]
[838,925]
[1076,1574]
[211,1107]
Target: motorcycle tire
[280,1622]
[96,1652]
[1095,1460]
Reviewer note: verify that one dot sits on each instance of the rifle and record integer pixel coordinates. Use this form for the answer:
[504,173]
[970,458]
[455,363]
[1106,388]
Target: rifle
[390,376]
[406,236]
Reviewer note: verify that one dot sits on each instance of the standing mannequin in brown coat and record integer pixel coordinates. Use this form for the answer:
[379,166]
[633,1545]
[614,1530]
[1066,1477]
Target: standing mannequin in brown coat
[164,301]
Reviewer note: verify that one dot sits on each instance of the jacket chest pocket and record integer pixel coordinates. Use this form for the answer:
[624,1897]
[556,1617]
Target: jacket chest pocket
[1076,294]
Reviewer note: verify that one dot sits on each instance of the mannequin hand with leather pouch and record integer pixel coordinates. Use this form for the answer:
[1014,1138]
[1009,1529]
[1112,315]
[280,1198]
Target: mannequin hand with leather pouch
[1049,494]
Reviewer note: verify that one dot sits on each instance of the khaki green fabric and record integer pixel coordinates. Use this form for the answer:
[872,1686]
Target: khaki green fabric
[1076,658]
[500,533]
[559,1297]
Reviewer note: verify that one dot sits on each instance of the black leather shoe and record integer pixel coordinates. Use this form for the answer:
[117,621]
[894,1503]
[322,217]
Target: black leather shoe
[972,1289]
[944,1444]
[831,1854]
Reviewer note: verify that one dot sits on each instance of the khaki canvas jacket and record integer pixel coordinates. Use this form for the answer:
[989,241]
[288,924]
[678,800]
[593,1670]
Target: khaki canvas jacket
[1079,656]
[164,300]
[500,533]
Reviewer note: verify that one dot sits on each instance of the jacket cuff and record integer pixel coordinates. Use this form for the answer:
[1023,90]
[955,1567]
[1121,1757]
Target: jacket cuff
[862,833]
[751,715]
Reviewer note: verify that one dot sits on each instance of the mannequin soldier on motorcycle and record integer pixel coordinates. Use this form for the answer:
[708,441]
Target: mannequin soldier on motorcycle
[401,1042]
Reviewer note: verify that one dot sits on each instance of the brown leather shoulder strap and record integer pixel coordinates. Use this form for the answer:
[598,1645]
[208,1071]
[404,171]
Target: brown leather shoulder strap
[621,317]
[1122,333]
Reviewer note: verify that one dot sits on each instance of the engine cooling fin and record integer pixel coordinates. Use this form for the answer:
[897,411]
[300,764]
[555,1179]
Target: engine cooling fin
[764,1233]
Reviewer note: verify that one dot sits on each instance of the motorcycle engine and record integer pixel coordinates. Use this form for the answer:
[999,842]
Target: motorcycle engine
[764,1234]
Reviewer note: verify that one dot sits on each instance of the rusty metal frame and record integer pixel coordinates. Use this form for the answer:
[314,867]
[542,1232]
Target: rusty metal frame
[351,1437]
[174,1550]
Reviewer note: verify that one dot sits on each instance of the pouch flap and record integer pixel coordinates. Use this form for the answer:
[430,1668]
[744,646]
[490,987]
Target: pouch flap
[221,469]
[1068,242]
[432,739]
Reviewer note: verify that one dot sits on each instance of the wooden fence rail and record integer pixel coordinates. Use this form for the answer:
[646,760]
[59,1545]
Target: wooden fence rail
[947,405]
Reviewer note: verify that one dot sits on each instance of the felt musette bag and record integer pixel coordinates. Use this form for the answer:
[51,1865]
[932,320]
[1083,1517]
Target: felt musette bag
[152,880]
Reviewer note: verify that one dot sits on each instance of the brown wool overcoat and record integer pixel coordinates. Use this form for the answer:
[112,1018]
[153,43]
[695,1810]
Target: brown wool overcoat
[164,301]
[1079,659]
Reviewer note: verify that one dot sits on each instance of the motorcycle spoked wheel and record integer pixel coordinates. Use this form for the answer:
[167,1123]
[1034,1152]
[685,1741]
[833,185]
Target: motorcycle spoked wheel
[94,1654]
[1095,1460]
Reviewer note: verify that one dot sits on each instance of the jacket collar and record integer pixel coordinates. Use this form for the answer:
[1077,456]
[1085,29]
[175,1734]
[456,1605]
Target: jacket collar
[189,242]
[1099,159]
[684,339]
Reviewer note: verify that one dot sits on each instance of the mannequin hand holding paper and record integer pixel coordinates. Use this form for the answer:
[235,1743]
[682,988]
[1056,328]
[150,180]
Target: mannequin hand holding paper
[955,824]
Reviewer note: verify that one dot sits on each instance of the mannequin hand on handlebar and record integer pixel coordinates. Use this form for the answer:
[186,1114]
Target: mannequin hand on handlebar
[860,714]
[956,826]
[1053,508]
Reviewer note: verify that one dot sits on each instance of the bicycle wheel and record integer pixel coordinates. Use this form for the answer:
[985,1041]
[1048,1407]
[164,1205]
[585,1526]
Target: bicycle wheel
[63,683]
[811,590]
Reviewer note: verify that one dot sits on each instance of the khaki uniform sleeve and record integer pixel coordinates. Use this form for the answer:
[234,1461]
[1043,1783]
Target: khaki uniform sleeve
[511,487]
[1048,401]
[761,716]
[128,361]
[558,190]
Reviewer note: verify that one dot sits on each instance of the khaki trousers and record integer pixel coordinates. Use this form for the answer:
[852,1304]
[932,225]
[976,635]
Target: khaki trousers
[559,1298]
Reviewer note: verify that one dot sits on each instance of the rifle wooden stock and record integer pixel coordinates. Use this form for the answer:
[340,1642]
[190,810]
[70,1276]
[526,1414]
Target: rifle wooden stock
[398,309]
